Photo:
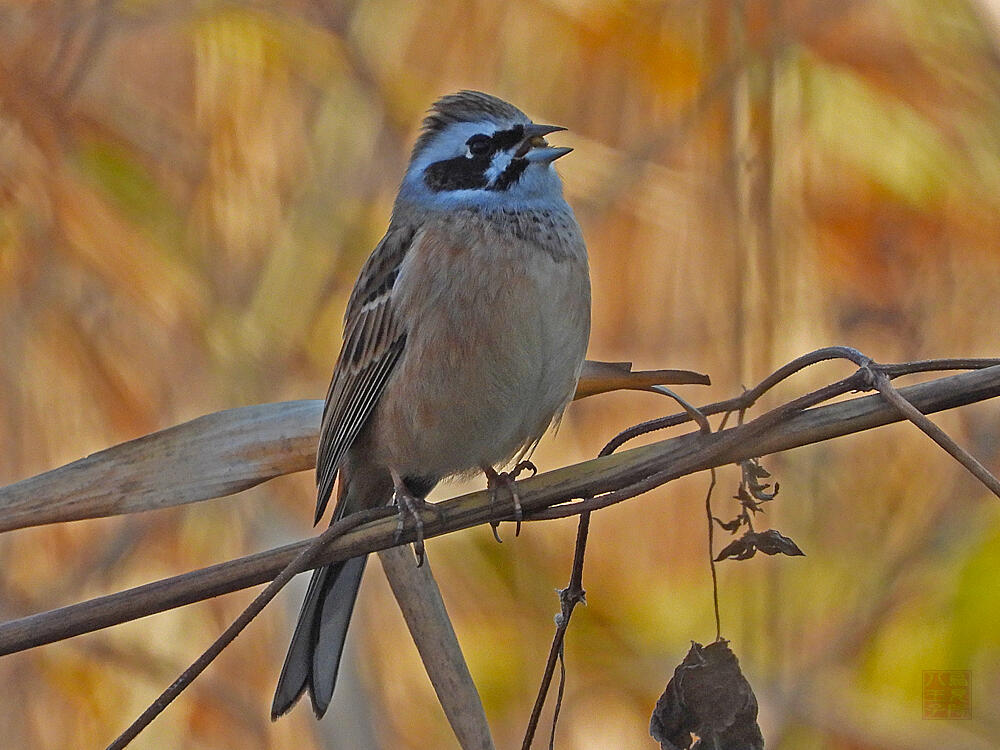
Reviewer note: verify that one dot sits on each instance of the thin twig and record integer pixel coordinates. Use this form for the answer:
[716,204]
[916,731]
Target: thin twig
[859,381]
[559,696]
[945,364]
[569,597]
[746,399]
[711,557]
[725,442]
[301,562]
[693,411]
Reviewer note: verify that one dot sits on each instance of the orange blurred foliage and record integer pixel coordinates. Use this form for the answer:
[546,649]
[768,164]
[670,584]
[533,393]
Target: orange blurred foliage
[188,189]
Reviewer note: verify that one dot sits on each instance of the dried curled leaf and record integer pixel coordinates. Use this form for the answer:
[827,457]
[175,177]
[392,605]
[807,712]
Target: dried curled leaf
[770,542]
[751,495]
[730,526]
[773,542]
[753,472]
[708,703]
[740,549]
[747,502]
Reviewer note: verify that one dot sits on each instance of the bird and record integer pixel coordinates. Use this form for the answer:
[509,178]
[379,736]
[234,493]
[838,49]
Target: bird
[464,337]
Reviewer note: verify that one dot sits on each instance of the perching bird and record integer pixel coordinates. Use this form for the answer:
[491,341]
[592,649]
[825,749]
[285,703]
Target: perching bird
[464,337]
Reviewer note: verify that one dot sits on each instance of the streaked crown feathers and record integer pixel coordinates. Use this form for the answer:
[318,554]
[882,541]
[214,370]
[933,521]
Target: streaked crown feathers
[465,106]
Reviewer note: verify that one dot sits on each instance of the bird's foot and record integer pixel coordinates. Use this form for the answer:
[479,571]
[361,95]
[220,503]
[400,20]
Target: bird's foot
[507,479]
[410,505]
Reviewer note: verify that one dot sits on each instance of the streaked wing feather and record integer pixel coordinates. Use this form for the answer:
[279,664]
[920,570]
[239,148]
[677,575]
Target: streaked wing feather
[360,398]
[373,343]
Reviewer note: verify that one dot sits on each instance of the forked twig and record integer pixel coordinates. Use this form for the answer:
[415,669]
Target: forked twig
[722,446]
[749,397]
[860,380]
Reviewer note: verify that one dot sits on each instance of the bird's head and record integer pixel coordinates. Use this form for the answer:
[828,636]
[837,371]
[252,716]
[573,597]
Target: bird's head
[478,150]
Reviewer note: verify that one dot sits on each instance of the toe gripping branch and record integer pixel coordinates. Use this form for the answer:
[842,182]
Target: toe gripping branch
[507,480]
[409,505]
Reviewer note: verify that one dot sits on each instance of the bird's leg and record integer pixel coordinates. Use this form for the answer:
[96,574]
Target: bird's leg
[509,480]
[408,504]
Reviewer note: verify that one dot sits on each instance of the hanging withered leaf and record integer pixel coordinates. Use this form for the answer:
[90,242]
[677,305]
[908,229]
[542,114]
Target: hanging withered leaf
[738,549]
[770,542]
[730,526]
[752,467]
[752,473]
[708,704]
[773,542]
[747,502]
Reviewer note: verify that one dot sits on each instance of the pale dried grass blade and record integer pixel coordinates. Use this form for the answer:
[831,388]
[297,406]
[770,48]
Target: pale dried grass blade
[603,377]
[208,457]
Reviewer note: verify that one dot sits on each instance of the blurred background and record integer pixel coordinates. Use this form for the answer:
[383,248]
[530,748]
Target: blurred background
[188,189]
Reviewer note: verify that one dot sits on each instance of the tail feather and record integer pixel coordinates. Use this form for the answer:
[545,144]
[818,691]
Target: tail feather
[313,658]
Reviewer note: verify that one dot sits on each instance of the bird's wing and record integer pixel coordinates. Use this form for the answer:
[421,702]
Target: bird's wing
[374,338]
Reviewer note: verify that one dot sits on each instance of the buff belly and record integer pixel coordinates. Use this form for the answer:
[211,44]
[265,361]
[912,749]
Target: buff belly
[519,333]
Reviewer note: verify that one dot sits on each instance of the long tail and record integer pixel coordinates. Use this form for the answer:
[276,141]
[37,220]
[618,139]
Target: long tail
[314,655]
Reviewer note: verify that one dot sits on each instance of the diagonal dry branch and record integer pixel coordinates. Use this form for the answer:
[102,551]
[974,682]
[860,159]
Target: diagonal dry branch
[615,475]
[935,433]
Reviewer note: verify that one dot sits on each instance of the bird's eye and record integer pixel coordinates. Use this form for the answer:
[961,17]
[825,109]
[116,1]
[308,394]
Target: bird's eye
[479,145]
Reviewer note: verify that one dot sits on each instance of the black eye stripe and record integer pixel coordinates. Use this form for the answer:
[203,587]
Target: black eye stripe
[460,173]
[481,144]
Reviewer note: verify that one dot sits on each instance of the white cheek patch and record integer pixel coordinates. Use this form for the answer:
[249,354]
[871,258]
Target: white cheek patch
[501,160]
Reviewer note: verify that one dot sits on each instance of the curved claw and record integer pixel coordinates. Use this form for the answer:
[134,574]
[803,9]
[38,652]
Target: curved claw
[509,480]
[408,504]
[520,466]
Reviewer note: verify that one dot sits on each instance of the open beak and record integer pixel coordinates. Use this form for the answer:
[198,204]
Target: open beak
[535,148]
